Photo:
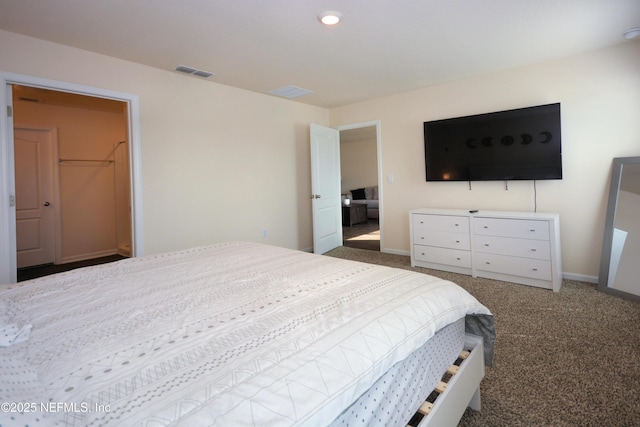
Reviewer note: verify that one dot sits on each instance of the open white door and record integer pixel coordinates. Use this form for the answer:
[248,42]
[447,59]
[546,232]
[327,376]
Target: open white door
[325,188]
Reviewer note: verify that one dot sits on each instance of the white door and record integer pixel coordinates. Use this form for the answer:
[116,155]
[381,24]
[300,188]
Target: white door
[325,188]
[34,197]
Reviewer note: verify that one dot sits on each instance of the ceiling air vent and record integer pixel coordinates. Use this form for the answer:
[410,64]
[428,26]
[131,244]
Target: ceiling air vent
[201,73]
[194,71]
[290,92]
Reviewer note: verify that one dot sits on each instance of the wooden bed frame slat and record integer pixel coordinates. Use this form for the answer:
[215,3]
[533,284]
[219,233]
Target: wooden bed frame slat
[425,408]
[453,369]
[462,390]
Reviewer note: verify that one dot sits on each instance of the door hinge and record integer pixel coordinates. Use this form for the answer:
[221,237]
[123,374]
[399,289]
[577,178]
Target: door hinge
[9,111]
[12,200]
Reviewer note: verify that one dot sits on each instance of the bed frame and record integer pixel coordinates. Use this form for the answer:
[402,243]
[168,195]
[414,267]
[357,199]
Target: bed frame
[462,389]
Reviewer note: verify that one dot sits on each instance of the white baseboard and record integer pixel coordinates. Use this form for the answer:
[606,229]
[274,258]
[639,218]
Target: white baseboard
[580,277]
[91,255]
[124,250]
[395,252]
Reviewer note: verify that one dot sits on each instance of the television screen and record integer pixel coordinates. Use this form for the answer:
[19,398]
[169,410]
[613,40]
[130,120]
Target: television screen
[524,143]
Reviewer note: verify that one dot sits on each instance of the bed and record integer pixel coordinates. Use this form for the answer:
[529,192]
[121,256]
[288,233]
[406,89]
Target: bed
[237,333]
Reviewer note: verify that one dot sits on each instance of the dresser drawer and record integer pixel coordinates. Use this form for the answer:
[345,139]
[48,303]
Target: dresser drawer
[523,248]
[442,239]
[453,257]
[518,228]
[523,267]
[423,223]
[517,247]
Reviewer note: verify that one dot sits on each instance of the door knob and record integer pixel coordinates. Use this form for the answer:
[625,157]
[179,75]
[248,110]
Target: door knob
[46,204]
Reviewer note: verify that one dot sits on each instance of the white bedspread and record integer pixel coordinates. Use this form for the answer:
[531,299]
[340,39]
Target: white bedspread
[230,334]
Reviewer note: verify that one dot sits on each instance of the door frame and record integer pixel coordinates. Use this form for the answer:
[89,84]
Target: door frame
[375,123]
[8,269]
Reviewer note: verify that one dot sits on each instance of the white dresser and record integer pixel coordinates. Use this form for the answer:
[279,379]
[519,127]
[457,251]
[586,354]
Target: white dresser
[519,247]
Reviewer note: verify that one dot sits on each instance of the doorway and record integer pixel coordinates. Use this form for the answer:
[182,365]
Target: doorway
[72,195]
[130,144]
[360,185]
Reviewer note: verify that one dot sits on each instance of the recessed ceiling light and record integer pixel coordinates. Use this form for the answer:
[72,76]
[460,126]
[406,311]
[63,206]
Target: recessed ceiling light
[631,34]
[330,17]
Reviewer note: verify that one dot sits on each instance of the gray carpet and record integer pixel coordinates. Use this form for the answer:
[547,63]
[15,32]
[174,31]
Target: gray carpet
[570,358]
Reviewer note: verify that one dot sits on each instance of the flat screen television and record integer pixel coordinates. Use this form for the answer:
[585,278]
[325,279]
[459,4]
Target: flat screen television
[519,144]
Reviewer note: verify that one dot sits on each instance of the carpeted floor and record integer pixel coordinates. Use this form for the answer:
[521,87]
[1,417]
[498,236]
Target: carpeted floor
[570,358]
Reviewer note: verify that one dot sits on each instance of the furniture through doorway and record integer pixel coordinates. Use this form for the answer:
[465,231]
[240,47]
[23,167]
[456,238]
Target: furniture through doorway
[354,213]
[360,147]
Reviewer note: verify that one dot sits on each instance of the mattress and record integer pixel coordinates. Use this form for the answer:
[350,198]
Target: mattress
[228,334]
[396,396]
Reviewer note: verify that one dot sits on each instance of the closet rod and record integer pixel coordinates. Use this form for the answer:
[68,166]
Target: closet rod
[85,160]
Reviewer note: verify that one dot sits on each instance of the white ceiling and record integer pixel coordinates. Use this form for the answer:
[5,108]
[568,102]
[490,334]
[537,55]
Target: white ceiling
[381,47]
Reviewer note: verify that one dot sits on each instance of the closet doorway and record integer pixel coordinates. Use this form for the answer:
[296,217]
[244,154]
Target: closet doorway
[72,179]
[8,267]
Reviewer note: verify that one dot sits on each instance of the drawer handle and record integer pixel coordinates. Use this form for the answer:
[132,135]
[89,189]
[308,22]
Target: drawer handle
[422,237]
[487,262]
[457,225]
[422,253]
[458,258]
[534,269]
[457,241]
[533,250]
[533,230]
[486,226]
[486,244]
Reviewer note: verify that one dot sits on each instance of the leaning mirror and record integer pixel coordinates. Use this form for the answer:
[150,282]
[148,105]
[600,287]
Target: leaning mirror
[620,263]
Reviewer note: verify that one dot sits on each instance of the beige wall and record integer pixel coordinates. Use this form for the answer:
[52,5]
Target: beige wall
[358,164]
[218,163]
[599,92]
[87,192]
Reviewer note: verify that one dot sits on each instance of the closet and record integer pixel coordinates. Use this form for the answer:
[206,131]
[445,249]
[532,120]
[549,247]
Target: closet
[72,163]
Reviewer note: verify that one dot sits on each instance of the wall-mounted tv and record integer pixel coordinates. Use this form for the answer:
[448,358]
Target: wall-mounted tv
[523,143]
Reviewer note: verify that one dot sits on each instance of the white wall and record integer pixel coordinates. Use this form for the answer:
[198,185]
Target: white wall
[599,93]
[218,163]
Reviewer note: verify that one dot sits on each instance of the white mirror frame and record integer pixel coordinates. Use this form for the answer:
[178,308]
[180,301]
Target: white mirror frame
[607,241]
